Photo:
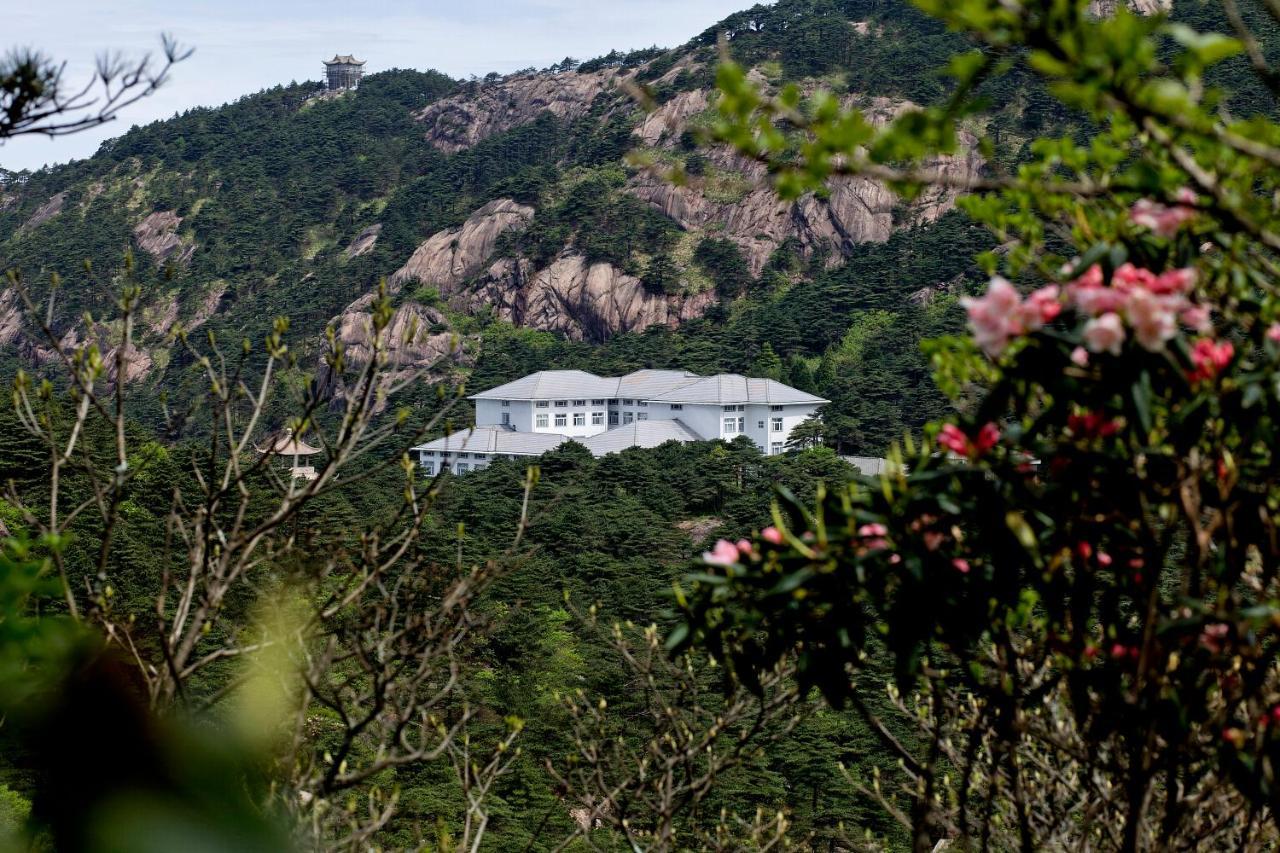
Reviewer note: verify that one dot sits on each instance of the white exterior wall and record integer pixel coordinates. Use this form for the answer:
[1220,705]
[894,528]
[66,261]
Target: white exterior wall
[490,412]
[702,419]
[791,416]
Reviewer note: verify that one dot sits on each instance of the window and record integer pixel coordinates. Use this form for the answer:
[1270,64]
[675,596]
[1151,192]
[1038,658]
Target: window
[597,418]
[540,422]
[506,404]
[742,424]
[628,417]
[675,407]
[627,402]
[506,419]
[444,467]
[579,402]
[642,416]
[775,449]
[730,425]
[579,418]
[776,424]
[429,468]
[613,419]
[562,404]
[422,454]
[759,424]
[542,404]
[562,419]
[730,408]
[597,402]
[642,403]
[775,408]
[463,467]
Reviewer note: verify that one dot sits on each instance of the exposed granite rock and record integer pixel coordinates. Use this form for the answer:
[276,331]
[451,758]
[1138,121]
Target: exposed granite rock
[1104,8]
[10,316]
[208,306]
[462,120]
[137,363]
[363,242]
[449,257]
[46,211]
[160,317]
[669,120]
[584,301]
[856,210]
[157,235]
[413,348]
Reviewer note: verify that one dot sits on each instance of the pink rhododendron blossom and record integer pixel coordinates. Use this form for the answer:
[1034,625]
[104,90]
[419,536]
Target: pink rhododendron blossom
[873,535]
[725,553]
[1196,317]
[1162,220]
[1104,334]
[772,535]
[1273,333]
[1092,277]
[1041,307]
[1080,357]
[1174,282]
[1154,318]
[1209,358]
[954,439]
[961,565]
[745,547]
[1127,277]
[995,317]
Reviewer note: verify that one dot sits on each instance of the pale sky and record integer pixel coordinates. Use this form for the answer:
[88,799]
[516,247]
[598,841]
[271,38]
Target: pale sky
[243,46]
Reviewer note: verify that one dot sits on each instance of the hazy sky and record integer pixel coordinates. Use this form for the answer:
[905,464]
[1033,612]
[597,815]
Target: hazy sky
[243,46]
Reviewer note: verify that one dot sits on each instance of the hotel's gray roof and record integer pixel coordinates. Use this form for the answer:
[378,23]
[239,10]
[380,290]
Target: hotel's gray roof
[733,388]
[638,434]
[552,385]
[484,439]
[670,386]
[644,384]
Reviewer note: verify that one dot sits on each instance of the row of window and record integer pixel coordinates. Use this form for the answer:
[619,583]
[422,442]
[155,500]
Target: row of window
[735,425]
[429,468]
[675,407]
[564,404]
[579,419]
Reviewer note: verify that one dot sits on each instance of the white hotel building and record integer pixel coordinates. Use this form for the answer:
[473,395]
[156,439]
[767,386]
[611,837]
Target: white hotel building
[646,408]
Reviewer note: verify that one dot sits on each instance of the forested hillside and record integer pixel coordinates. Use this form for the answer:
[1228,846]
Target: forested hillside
[538,202]
[569,217]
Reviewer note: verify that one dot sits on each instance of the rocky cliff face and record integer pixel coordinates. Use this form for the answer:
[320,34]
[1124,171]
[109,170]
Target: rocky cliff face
[417,338]
[857,210]
[582,300]
[1103,8]
[157,235]
[460,121]
[449,257]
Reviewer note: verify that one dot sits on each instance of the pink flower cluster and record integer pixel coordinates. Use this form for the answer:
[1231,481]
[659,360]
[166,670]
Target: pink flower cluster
[1001,314]
[1153,305]
[1136,300]
[1209,359]
[1164,220]
[726,553]
[954,439]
